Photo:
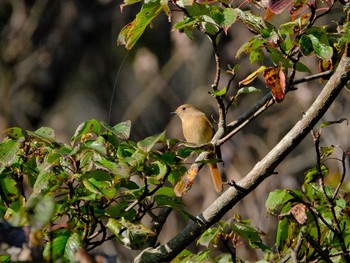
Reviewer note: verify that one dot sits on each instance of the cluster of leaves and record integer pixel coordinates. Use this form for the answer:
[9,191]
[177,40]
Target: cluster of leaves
[101,186]
[72,194]
[283,44]
[313,223]
[228,235]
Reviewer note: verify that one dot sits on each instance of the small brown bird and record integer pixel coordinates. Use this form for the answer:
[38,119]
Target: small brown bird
[197,129]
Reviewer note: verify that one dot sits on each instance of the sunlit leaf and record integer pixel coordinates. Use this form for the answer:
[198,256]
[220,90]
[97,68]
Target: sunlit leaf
[230,16]
[219,93]
[326,151]
[119,169]
[252,76]
[129,35]
[254,44]
[327,123]
[87,127]
[15,133]
[45,134]
[313,173]
[74,243]
[322,49]
[122,130]
[8,152]
[10,188]
[207,237]
[42,182]
[186,181]
[147,144]
[275,200]
[247,90]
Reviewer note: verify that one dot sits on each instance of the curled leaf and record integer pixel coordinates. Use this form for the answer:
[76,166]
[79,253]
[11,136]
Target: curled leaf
[276,81]
[327,123]
[219,93]
[252,76]
[299,213]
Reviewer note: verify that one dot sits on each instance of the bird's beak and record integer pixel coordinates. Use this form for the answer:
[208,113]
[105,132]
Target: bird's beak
[173,112]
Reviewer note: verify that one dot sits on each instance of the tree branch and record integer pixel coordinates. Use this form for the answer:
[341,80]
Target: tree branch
[259,173]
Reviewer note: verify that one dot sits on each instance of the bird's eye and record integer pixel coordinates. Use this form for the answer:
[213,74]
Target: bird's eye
[183,108]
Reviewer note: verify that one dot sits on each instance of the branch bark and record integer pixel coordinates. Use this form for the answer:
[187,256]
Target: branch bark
[259,173]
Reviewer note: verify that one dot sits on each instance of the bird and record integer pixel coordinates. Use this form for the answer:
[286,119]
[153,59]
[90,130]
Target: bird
[198,130]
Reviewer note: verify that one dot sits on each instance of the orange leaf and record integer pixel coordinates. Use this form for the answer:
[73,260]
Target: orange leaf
[276,81]
[185,182]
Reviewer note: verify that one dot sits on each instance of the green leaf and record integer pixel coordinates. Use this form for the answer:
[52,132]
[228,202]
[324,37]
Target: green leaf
[157,172]
[230,16]
[247,90]
[210,25]
[45,134]
[121,170]
[256,55]
[276,199]
[302,67]
[15,133]
[43,208]
[250,234]
[129,35]
[326,151]
[8,152]
[90,126]
[130,234]
[122,130]
[322,49]
[118,211]
[73,245]
[99,145]
[104,188]
[327,123]
[254,44]
[167,201]
[312,174]
[10,188]
[219,93]
[5,259]
[57,246]
[42,182]
[188,22]
[306,45]
[282,232]
[147,144]
[207,237]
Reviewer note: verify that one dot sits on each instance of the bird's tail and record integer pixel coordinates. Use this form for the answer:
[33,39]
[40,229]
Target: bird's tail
[215,175]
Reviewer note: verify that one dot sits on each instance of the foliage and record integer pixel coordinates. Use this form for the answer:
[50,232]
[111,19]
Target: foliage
[314,221]
[75,194]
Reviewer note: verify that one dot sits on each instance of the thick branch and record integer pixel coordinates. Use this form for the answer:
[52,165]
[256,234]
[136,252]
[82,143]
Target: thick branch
[260,172]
